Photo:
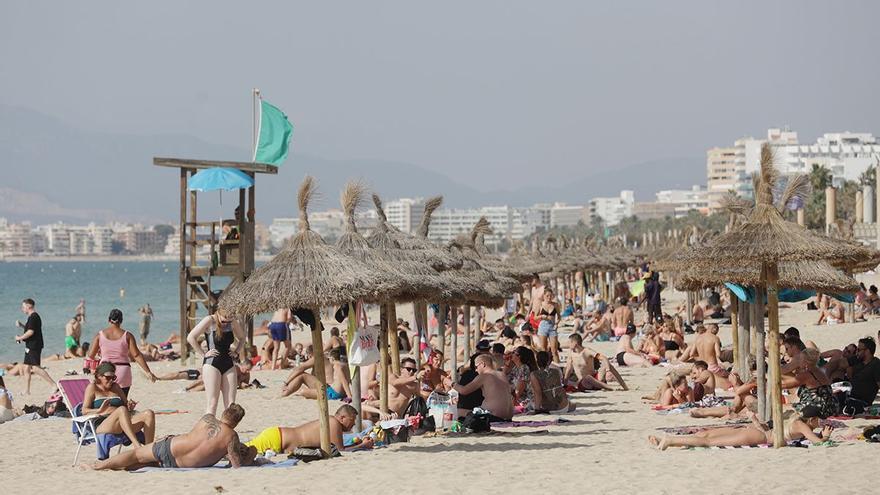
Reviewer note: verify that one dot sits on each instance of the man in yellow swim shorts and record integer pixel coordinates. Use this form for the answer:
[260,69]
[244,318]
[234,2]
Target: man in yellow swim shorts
[282,440]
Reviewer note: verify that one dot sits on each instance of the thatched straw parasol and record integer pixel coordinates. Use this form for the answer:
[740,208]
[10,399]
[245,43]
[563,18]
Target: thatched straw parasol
[307,273]
[761,243]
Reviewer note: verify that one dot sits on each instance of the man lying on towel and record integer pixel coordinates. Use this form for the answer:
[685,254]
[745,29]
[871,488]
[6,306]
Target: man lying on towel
[283,440]
[209,441]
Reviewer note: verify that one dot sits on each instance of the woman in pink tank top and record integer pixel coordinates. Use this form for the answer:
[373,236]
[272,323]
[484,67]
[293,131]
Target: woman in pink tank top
[117,346]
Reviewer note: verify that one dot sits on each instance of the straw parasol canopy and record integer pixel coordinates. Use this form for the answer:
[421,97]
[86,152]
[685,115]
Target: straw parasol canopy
[307,273]
[402,279]
[819,276]
[420,249]
[766,237]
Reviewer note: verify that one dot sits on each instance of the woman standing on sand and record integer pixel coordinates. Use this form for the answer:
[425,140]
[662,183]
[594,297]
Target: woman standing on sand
[117,346]
[218,369]
[548,318]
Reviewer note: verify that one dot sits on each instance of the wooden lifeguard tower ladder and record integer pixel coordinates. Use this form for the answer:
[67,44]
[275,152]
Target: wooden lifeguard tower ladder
[228,257]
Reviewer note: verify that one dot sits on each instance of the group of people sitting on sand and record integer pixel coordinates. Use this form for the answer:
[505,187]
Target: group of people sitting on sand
[807,377]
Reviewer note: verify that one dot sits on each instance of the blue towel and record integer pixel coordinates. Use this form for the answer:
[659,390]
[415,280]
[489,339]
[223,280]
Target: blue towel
[283,464]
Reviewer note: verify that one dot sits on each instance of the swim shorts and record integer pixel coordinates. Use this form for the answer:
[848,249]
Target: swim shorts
[332,394]
[193,374]
[268,439]
[69,342]
[278,330]
[162,452]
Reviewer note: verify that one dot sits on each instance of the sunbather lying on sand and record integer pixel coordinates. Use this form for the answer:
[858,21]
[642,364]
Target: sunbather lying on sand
[283,440]
[796,427]
[207,443]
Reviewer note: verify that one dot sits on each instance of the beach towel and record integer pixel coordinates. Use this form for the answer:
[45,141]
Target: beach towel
[527,424]
[268,464]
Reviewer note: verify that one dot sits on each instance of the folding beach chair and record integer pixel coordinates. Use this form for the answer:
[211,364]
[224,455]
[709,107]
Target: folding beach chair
[84,429]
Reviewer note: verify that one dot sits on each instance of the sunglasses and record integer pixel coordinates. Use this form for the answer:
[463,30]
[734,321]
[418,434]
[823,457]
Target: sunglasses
[109,377]
[411,370]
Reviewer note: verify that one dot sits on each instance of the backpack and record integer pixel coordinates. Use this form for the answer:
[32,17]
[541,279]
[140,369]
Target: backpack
[476,423]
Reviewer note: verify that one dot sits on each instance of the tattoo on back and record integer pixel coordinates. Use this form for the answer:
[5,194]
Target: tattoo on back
[213,425]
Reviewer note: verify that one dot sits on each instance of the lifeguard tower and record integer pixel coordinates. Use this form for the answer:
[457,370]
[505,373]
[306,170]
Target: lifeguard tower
[229,255]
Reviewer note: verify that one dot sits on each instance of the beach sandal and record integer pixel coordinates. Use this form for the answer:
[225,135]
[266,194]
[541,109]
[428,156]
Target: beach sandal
[256,384]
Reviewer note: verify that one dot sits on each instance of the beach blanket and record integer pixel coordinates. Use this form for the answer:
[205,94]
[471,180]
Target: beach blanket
[528,424]
[170,411]
[268,464]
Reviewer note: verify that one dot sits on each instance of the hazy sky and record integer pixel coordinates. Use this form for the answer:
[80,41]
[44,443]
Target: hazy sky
[485,88]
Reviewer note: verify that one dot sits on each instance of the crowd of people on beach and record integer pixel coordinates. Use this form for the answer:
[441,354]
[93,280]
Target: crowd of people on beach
[528,361]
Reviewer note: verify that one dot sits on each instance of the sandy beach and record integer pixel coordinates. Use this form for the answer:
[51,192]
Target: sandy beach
[602,448]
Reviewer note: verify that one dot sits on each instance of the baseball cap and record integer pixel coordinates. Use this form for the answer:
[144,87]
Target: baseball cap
[483,345]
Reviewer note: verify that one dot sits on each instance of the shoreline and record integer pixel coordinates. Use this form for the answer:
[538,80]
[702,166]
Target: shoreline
[105,259]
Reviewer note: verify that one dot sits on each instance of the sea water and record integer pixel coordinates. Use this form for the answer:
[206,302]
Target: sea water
[58,286]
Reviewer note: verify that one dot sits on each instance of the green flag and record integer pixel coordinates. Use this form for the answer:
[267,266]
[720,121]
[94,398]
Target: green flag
[275,134]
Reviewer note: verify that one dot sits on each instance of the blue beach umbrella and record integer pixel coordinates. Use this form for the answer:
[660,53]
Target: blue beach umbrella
[219,179]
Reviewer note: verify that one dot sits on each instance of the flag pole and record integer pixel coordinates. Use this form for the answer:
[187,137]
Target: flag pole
[256,121]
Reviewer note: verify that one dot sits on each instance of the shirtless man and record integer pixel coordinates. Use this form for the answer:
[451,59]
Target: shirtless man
[209,441]
[402,388]
[336,375]
[622,317]
[708,348]
[837,361]
[279,334]
[537,294]
[72,333]
[697,315]
[282,440]
[600,325]
[704,380]
[497,398]
[690,353]
[583,362]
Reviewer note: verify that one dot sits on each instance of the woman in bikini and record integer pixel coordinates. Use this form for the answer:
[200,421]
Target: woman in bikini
[673,342]
[548,318]
[795,427]
[218,369]
[116,345]
[105,398]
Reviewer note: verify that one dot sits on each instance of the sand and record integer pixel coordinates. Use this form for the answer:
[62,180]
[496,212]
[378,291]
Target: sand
[603,449]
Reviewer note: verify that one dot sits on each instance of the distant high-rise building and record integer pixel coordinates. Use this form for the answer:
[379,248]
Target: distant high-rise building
[15,239]
[614,209]
[405,213]
[724,173]
[686,200]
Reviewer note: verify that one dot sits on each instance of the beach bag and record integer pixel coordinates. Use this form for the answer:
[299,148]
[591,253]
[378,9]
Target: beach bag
[364,347]
[398,434]
[476,423]
[417,407]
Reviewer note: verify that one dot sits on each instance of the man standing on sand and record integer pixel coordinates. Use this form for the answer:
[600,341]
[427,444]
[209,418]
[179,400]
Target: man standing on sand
[537,295]
[708,347]
[279,333]
[207,443]
[33,343]
[497,398]
[146,313]
[282,440]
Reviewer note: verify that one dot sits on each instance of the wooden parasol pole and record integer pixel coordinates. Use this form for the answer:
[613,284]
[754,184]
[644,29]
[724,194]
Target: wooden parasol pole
[745,316]
[320,374]
[383,358]
[771,275]
[393,338]
[354,369]
[467,332]
[441,329]
[734,328]
[453,327]
[761,353]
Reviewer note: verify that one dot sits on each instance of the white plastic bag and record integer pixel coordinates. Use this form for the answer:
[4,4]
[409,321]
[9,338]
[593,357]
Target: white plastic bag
[365,347]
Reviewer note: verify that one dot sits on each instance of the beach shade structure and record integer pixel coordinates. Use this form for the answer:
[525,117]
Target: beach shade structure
[306,274]
[219,179]
[762,242]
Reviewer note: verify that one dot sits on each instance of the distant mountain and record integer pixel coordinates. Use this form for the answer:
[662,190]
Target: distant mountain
[51,170]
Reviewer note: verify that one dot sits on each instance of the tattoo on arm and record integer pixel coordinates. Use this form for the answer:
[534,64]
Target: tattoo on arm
[213,425]
[232,451]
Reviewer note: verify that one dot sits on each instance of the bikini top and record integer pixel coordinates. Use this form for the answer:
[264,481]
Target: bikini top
[114,401]
[545,313]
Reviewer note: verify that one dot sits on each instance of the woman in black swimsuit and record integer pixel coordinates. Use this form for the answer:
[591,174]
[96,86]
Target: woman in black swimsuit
[219,372]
